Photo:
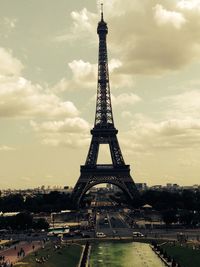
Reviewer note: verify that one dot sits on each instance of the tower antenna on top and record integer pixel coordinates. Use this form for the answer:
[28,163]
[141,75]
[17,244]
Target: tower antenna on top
[101,11]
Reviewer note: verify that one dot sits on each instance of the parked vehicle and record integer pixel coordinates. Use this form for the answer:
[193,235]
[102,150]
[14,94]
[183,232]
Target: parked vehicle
[100,234]
[138,234]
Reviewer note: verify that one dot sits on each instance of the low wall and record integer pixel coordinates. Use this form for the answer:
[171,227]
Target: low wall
[84,260]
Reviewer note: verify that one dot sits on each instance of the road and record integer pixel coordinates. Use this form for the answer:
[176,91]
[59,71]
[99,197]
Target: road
[112,224]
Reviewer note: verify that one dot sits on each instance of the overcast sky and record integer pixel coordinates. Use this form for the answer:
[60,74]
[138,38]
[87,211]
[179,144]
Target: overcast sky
[48,77]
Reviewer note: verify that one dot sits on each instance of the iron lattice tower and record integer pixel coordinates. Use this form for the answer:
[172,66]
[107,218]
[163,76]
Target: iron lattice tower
[104,132]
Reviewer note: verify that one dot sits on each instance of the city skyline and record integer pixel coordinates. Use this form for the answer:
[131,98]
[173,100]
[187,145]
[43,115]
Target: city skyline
[48,80]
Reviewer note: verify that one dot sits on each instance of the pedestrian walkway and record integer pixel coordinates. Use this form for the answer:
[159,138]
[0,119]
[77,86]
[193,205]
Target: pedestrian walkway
[17,252]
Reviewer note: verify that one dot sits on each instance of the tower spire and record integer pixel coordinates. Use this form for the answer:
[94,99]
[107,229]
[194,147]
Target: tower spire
[103,115]
[101,11]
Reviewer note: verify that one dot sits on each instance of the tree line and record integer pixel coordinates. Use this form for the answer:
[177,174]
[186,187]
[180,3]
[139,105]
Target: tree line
[57,201]
[162,200]
[180,206]
[174,207]
[22,221]
[52,202]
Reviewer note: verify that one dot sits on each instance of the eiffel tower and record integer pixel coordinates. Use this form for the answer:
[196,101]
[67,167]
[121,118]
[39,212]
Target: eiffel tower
[104,132]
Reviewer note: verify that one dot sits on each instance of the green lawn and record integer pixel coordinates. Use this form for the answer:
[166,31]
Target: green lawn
[68,255]
[185,256]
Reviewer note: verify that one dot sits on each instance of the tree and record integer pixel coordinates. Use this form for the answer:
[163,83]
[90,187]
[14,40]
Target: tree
[41,224]
[169,217]
[186,217]
[23,221]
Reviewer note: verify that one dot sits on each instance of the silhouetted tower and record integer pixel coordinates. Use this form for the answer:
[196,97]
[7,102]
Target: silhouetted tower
[104,132]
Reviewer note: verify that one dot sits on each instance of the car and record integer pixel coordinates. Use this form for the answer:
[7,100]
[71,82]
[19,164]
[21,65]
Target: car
[100,234]
[138,234]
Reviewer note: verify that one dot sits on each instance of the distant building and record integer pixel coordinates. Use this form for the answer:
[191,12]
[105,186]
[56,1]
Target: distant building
[172,187]
[63,216]
[8,214]
[141,186]
[116,188]
[109,186]
[157,187]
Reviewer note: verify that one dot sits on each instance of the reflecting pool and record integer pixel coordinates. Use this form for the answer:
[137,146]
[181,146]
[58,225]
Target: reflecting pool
[123,255]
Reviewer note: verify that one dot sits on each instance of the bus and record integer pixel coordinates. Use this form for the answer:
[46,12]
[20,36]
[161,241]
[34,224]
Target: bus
[54,231]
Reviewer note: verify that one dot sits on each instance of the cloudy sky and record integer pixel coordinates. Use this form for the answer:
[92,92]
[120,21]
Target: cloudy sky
[48,73]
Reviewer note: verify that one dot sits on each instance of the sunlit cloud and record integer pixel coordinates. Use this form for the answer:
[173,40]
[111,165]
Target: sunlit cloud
[163,16]
[83,23]
[69,125]
[147,38]
[189,4]
[84,76]
[7,26]
[72,132]
[9,64]
[183,105]
[125,99]
[6,148]
[19,97]
[172,134]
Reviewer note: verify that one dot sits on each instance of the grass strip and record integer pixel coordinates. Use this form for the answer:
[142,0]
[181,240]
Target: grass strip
[67,255]
[186,256]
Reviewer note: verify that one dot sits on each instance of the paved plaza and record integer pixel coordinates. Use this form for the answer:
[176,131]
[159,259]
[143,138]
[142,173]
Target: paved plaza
[16,252]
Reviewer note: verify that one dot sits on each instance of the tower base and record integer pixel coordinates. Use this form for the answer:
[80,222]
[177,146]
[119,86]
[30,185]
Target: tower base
[91,176]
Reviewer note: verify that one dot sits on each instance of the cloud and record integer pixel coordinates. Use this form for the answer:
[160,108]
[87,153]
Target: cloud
[26,179]
[185,104]
[148,37]
[190,5]
[147,135]
[84,76]
[83,22]
[126,114]
[10,23]
[179,128]
[66,139]
[22,99]
[7,25]
[19,97]
[72,141]
[9,65]
[69,125]
[6,148]
[125,99]
[160,39]
[71,132]
[163,16]
[81,69]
